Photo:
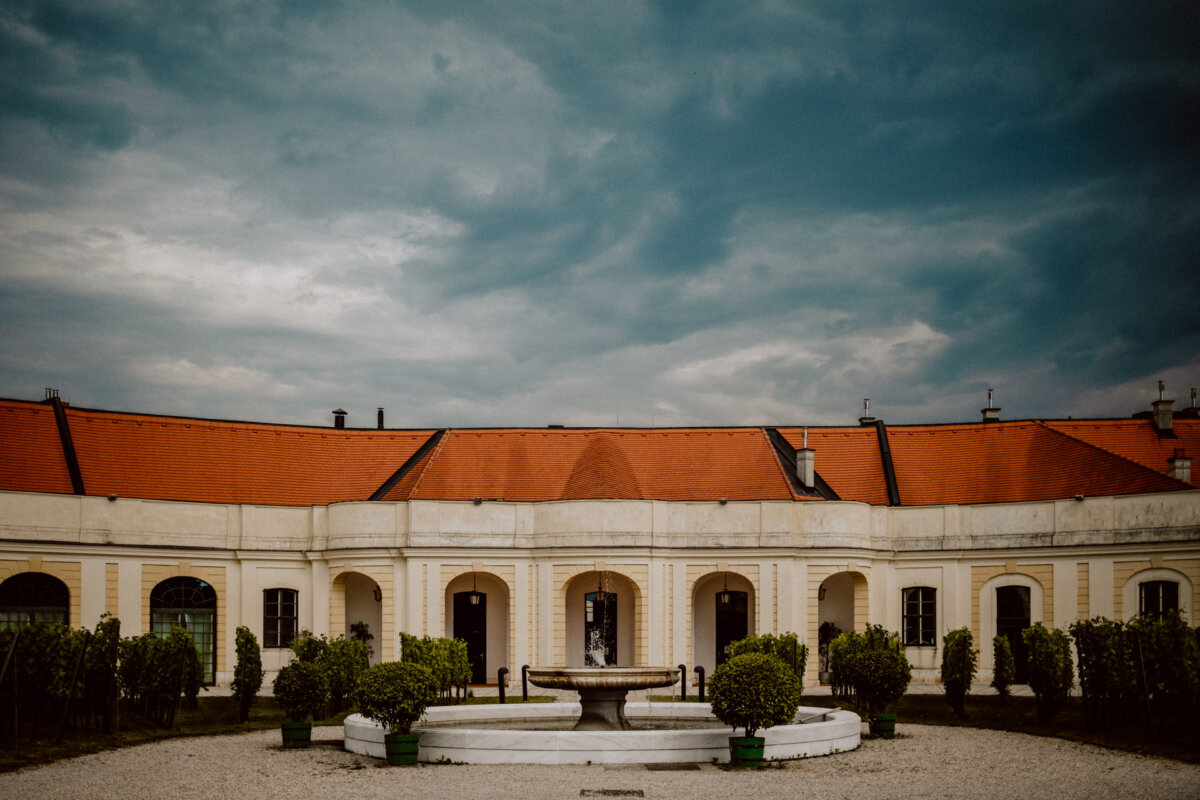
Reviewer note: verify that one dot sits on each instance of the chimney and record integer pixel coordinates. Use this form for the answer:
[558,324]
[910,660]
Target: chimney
[806,464]
[866,419]
[1162,411]
[379,419]
[991,414]
[1181,466]
[339,418]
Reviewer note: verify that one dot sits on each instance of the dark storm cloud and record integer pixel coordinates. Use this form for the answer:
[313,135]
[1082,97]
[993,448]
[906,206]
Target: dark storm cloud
[678,212]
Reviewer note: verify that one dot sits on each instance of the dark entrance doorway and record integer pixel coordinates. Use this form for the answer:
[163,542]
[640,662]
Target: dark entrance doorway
[470,625]
[1012,617]
[600,629]
[732,621]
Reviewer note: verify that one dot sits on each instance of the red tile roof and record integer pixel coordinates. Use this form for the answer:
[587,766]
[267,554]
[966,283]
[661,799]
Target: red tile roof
[1136,439]
[196,460]
[847,459]
[532,465]
[1008,461]
[206,461]
[31,453]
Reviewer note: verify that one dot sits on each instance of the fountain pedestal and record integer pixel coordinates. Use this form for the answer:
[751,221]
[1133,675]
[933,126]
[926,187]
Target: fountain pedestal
[602,690]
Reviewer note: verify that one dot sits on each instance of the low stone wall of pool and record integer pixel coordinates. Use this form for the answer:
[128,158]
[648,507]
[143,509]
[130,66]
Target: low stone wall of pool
[495,734]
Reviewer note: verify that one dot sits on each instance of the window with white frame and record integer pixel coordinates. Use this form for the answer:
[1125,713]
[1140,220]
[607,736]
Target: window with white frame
[279,617]
[918,623]
[1156,598]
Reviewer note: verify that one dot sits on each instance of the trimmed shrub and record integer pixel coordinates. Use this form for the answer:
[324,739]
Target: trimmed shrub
[753,691]
[301,690]
[344,663]
[248,674]
[881,676]
[396,694]
[1051,673]
[308,648]
[849,678]
[958,667]
[1004,666]
[786,647]
[446,660]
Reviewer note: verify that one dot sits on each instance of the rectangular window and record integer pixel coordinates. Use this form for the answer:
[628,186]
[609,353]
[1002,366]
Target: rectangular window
[1158,597]
[918,616]
[279,617]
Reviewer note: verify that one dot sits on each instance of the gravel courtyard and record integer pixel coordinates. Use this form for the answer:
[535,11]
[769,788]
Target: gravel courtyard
[925,761]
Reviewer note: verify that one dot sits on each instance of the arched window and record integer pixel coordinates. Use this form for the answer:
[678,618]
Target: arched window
[1156,598]
[279,617]
[29,597]
[918,616]
[191,604]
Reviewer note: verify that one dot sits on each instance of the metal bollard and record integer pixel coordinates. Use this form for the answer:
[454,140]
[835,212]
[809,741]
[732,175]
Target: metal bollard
[682,682]
[500,673]
[700,671]
[525,683]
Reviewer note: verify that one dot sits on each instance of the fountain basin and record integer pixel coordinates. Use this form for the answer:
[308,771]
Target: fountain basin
[602,690]
[447,734]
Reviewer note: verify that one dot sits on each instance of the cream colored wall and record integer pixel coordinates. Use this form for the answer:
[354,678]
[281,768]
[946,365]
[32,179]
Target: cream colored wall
[1084,557]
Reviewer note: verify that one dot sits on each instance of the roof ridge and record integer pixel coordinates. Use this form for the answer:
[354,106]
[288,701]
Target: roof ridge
[423,468]
[1108,452]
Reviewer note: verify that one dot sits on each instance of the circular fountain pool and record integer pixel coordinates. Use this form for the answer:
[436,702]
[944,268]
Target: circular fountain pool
[511,734]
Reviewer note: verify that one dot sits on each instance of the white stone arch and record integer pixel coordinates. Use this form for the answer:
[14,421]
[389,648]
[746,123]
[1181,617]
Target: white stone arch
[499,622]
[987,610]
[356,597]
[1129,592]
[704,598]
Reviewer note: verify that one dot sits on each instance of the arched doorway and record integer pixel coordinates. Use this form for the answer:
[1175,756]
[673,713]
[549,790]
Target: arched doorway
[1012,618]
[191,604]
[477,613]
[29,597]
[363,611]
[600,610]
[841,607]
[722,613]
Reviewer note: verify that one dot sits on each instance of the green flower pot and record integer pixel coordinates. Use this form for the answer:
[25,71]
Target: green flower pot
[401,748]
[296,735]
[883,725]
[746,752]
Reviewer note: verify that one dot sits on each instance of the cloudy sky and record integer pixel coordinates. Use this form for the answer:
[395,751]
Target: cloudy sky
[631,213]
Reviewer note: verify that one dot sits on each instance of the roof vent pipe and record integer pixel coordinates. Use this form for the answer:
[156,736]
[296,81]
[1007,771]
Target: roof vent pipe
[379,418]
[991,414]
[339,418]
[866,418]
[1162,410]
[806,464]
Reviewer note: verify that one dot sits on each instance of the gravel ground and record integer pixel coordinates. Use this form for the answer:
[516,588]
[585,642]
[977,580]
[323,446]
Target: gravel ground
[923,761]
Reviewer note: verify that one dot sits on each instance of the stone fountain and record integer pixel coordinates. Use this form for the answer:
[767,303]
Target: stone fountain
[541,733]
[602,690]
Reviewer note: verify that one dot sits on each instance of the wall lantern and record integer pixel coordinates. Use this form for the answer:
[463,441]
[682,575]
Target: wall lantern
[821,592]
[474,597]
[378,594]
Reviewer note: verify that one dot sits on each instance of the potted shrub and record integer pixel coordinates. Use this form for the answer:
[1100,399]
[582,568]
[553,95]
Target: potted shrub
[753,691]
[395,695]
[301,691]
[881,676]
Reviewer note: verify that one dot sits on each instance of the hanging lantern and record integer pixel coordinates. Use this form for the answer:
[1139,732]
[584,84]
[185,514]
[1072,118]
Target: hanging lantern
[474,597]
[725,597]
[600,588]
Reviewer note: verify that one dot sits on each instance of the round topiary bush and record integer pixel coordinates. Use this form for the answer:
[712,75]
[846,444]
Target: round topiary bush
[753,691]
[396,694]
[301,690]
[880,678]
